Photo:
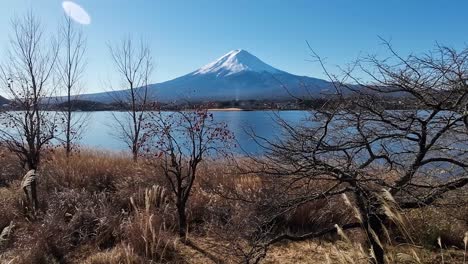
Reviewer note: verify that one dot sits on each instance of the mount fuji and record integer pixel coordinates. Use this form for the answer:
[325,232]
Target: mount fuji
[238,75]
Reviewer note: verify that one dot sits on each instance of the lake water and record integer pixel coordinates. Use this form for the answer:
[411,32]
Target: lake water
[100,133]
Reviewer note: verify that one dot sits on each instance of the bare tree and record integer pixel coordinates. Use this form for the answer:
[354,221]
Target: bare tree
[355,145]
[71,67]
[134,64]
[27,129]
[180,141]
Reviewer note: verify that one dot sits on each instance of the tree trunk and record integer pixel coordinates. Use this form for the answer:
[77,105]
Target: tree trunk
[182,220]
[135,153]
[376,225]
[33,161]
[373,222]
[34,202]
[68,136]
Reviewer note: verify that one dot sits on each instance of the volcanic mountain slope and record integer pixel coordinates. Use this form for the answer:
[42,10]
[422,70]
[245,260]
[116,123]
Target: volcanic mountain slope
[3,100]
[238,75]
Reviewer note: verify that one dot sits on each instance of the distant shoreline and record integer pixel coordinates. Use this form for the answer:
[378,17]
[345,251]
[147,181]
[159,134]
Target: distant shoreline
[227,109]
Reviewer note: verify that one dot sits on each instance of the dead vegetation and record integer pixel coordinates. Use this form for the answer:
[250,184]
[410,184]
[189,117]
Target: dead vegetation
[107,209]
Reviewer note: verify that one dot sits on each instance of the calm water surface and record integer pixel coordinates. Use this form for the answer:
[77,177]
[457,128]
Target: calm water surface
[100,132]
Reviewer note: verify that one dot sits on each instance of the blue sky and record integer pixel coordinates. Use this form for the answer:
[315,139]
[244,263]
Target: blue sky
[185,35]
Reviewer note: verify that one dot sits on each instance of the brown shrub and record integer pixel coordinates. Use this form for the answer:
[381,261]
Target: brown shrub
[73,219]
[10,204]
[86,218]
[11,212]
[10,168]
[42,243]
[318,215]
[426,225]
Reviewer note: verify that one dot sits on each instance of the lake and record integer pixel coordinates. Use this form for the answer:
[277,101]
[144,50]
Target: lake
[101,134]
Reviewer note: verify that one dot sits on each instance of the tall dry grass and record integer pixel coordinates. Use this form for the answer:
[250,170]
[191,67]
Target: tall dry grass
[100,207]
[148,230]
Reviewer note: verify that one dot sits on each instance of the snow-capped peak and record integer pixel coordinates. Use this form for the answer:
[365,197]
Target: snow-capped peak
[235,61]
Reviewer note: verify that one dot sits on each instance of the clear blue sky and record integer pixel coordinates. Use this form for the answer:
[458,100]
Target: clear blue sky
[185,35]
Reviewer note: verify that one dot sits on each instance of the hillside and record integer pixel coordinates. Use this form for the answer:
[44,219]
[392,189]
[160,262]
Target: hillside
[238,75]
[3,100]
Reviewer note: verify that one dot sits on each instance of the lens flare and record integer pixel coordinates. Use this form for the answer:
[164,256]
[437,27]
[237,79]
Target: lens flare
[76,12]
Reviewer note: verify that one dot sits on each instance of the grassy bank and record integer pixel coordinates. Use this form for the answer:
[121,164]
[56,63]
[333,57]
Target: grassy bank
[100,207]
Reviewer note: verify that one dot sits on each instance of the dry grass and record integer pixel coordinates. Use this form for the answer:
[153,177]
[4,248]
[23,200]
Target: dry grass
[148,230]
[101,207]
[317,251]
[426,225]
[92,170]
[120,254]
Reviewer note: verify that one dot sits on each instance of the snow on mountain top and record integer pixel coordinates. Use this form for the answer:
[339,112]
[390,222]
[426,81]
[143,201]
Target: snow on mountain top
[236,61]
